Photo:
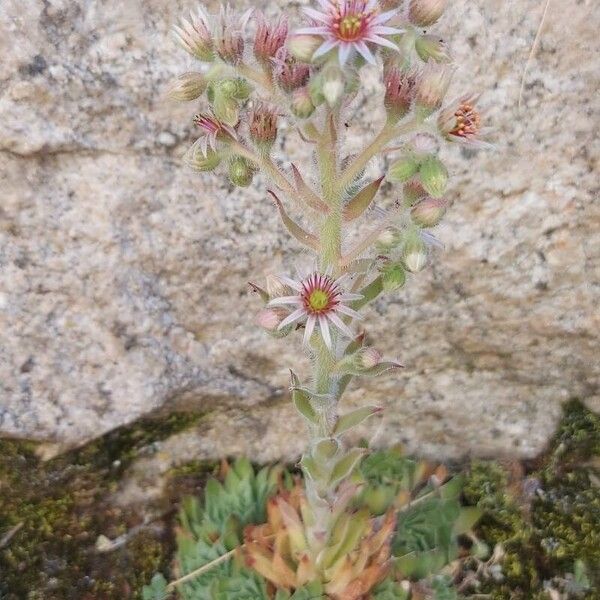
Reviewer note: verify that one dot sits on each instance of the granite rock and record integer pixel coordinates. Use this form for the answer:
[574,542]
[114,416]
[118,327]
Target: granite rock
[123,274]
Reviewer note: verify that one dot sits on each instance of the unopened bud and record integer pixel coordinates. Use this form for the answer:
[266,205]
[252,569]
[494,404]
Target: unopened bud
[415,255]
[403,169]
[368,358]
[388,239]
[225,108]
[241,173]
[302,104]
[270,318]
[399,91]
[269,38]
[428,212]
[393,276]
[277,288]
[229,40]
[424,13]
[424,144]
[333,84]
[238,88]
[431,47]
[187,87]
[303,47]
[413,191]
[290,74]
[194,36]
[263,126]
[431,88]
[198,160]
[434,176]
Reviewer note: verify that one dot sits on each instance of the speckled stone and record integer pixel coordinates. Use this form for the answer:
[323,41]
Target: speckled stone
[123,275]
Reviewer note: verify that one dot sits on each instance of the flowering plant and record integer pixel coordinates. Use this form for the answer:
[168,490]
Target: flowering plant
[335,534]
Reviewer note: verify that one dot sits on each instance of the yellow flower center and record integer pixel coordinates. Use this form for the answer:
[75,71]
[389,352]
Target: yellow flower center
[350,26]
[318,300]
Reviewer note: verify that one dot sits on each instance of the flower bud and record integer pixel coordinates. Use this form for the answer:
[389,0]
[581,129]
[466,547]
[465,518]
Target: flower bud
[303,47]
[302,105]
[199,161]
[399,92]
[434,176]
[263,126]
[368,357]
[403,169]
[187,87]
[431,47]
[225,108]
[333,84]
[276,288]
[413,191]
[432,86]
[241,173]
[237,89]
[428,212]
[424,144]
[194,36]
[229,40]
[424,13]
[289,73]
[393,276]
[269,38]
[415,255]
[387,240]
[270,319]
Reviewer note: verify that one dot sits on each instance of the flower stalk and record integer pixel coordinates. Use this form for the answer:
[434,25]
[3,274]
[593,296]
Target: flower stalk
[261,75]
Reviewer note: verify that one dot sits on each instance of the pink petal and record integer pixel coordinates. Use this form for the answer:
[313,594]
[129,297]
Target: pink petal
[316,15]
[285,300]
[382,42]
[310,327]
[385,16]
[290,282]
[325,47]
[348,311]
[344,52]
[312,31]
[295,316]
[383,30]
[340,325]
[364,51]
[324,327]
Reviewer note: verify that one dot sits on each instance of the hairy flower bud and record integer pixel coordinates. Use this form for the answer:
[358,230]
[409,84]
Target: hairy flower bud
[413,191]
[431,47]
[187,87]
[241,173]
[428,212]
[226,109]
[333,84]
[302,105]
[263,126]
[270,319]
[392,276]
[388,239]
[303,47]
[368,357]
[403,169]
[229,40]
[431,87]
[290,74]
[276,288]
[434,176]
[399,91]
[194,36]
[424,13]
[238,88]
[198,160]
[415,255]
[269,38]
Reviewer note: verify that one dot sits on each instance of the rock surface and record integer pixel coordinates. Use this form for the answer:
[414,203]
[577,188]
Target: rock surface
[123,275]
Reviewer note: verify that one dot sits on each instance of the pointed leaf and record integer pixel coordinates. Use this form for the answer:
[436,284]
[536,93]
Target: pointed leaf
[382,367]
[362,200]
[467,519]
[258,290]
[346,466]
[304,406]
[303,236]
[354,418]
[306,193]
[369,293]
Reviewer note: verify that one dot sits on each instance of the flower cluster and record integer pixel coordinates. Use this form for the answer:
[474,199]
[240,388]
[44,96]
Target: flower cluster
[259,76]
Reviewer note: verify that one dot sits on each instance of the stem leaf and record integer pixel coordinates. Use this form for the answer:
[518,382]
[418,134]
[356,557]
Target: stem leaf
[306,193]
[345,466]
[354,418]
[359,204]
[303,236]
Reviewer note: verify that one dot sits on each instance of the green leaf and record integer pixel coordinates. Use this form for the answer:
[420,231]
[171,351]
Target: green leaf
[345,466]
[357,205]
[354,418]
[157,590]
[303,236]
[467,519]
[311,591]
[443,588]
[390,590]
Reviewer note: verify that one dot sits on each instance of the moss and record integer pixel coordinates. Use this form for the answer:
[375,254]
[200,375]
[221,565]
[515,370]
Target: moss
[543,538]
[62,507]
